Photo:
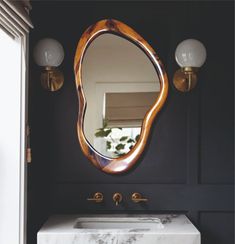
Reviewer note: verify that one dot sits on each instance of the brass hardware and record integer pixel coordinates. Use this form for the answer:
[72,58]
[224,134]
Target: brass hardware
[97,197]
[185,79]
[117,198]
[52,79]
[28,148]
[137,197]
[28,155]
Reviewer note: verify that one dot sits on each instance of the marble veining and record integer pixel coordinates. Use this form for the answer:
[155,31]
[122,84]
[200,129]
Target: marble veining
[161,229]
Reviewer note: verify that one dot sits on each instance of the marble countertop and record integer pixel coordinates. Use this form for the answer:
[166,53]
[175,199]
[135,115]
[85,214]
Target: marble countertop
[171,229]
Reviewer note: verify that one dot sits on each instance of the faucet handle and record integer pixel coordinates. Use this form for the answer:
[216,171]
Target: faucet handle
[117,198]
[97,197]
[137,197]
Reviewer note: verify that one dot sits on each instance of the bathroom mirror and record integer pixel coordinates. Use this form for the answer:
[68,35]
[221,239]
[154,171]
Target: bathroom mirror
[121,86]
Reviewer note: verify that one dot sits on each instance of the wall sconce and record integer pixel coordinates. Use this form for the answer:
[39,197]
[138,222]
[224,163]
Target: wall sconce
[49,54]
[190,55]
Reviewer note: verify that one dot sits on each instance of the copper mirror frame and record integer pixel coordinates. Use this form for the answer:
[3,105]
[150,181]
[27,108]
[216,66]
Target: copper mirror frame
[123,163]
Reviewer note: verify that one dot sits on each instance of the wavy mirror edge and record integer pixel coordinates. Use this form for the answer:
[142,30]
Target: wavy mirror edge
[123,163]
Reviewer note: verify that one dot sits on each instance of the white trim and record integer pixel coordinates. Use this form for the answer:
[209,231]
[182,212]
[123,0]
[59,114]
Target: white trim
[22,183]
[23,165]
[15,23]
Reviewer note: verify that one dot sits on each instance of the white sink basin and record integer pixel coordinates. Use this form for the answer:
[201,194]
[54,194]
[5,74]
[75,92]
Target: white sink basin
[118,223]
[118,229]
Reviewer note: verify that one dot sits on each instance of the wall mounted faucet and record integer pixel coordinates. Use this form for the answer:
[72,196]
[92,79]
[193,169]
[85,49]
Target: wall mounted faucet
[136,197]
[117,198]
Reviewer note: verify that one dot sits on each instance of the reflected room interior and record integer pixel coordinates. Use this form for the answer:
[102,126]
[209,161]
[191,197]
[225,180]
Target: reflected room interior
[120,85]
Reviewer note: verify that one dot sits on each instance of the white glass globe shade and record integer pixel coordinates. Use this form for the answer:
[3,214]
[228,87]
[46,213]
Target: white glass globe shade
[190,53]
[48,52]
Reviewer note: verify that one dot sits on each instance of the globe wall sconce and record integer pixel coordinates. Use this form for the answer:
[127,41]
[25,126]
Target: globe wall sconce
[49,54]
[190,55]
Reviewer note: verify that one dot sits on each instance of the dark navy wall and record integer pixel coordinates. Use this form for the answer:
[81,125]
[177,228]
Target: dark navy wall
[187,166]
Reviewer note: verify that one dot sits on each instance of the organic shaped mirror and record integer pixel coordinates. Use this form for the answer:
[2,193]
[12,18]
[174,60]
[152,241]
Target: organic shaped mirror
[121,86]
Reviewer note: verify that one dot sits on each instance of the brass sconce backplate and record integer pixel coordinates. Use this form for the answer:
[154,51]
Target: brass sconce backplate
[52,79]
[185,79]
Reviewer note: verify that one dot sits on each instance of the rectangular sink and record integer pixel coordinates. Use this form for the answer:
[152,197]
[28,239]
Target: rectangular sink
[118,229]
[118,223]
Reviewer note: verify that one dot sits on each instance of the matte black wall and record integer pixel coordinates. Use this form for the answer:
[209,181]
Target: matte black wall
[188,163]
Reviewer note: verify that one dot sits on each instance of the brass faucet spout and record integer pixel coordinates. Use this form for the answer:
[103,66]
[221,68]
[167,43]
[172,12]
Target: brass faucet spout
[117,198]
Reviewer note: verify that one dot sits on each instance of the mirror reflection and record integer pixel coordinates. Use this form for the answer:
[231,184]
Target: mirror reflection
[120,85]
